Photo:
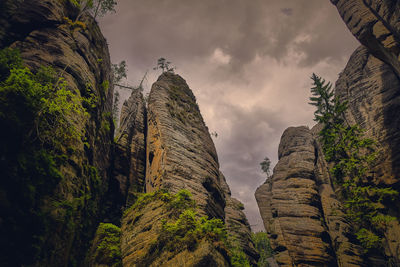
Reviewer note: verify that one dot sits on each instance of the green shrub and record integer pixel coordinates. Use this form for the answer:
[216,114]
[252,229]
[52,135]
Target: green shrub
[41,121]
[263,247]
[108,251]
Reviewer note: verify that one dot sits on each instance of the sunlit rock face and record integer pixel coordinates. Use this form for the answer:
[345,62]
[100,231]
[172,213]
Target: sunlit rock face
[40,31]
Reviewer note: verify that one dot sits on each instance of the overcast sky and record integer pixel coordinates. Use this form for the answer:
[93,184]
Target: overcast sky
[247,61]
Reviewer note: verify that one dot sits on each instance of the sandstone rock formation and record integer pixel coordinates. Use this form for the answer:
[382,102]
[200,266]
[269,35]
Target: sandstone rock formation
[180,152]
[40,31]
[141,230]
[370,85]
[130,152]
[181,155]
[375,24]
[236,222]
[164,146]
[291,205]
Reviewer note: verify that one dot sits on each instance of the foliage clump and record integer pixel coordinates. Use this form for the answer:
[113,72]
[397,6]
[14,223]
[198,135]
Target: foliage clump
[266,166]
[263,247]
[42,124]
[185,229]
[352,156]
[94,7]
[107,251]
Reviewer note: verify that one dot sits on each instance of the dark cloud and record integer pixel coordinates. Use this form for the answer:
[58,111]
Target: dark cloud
[248,63]
[287,11]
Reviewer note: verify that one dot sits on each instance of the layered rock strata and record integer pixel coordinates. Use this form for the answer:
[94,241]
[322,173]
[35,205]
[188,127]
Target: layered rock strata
[130,151]
[376,25]
[291,206]
[181,155]
[41,32]
[180,152]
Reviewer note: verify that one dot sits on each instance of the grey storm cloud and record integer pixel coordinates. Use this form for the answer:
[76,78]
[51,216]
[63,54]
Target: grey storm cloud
[248,63]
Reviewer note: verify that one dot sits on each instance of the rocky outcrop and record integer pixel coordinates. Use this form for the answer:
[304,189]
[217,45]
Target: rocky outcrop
[130,152]
[180,152]
[291,205]
[68,216]
[142,243]
[372,89]
[181,155]
[236,223]
[370,86]
[375,24]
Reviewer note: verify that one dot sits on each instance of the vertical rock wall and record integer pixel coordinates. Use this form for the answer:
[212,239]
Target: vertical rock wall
[130,152]
[180,152]
[39,30]
[291,205]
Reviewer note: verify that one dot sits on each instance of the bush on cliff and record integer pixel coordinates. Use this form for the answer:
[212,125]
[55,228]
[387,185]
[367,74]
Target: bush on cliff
[184,229]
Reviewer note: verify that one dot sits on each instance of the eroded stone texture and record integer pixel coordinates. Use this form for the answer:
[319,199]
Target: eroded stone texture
[376,25]
[237,224]
[372,89]
[291,207]
[141,228]
[130,152]
[180,151]
[39,30]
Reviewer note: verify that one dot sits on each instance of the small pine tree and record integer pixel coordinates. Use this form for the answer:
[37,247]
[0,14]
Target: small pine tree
[164,65]
[266,166]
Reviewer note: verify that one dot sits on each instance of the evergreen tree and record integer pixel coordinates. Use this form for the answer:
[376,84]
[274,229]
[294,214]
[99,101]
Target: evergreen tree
[266,166]
[352,157]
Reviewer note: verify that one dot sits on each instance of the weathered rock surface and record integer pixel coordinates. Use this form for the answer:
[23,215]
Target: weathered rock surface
[291,206]
[237,224]
[141,229]
[39,30]
[372,89]
[180,152]
[376,25]
[130,152]
[181,155]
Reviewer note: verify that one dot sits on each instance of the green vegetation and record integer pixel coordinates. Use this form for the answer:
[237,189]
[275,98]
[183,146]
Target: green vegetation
[107,242]
[352,156]
[94,7]
[263,247]
[182,105]
[42,124]
[164,65]
[184,229]
[266,166]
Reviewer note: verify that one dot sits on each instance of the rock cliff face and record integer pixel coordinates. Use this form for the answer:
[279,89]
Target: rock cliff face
[371,85]
[375,24]
[180,152]
[181,155]
[130,152]
[69,215]
[164,146]
[291,205]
